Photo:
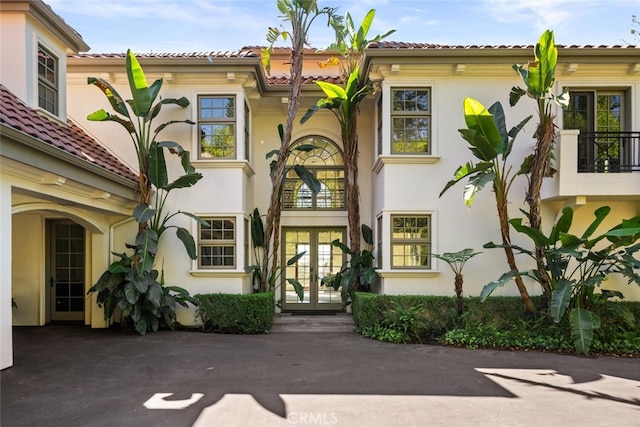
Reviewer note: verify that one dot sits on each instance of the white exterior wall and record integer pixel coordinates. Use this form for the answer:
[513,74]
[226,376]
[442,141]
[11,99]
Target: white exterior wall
[6,341]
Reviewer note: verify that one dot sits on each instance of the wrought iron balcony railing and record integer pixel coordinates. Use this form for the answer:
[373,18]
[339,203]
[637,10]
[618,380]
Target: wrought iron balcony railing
[609,152]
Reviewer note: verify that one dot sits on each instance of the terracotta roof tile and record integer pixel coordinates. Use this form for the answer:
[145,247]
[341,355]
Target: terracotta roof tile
[72,139]
[243,53]
[306,80]
[430,46]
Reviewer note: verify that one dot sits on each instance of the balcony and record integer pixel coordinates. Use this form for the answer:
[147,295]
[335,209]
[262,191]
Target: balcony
[609,152]
[601,164]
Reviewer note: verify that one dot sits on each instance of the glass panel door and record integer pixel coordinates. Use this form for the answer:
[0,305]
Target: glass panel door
[320,259]
[68,270]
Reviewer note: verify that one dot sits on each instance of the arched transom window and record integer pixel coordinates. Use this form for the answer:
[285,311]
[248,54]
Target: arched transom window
[325,162]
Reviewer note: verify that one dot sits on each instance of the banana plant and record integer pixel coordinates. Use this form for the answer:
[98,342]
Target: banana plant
[538,77]
[577,265]
[258,239]
[358,273]
[343,102]
[133,280]
[491,144]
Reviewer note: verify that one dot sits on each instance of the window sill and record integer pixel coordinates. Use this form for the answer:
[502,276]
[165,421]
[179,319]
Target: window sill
[221,274]
[407,274]
[403,159]
[224,164]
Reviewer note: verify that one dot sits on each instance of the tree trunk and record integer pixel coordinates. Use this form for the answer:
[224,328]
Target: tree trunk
[272,226]
[503,216]
[458,288]
[540,167]
[351,187]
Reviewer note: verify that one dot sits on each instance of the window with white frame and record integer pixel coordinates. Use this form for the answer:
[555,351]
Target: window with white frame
[48,90]
[411,121]
[217,243]
[410,241]
[217,126]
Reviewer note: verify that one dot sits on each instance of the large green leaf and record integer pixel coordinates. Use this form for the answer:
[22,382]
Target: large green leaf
[476,183]
[464,171]
[143,95]
[492,286]
[332,91]
[478,118]
[131,293]
[102,116]
[143,213]
[308,178]
[257,229]
[367,234]
[600,213]
[562,225]
[539,75]
[154,294]
[158,174]
[480,147]
[560,299]
[298,288]
[116,101]
[582,322]
[183,181]
[187,240]
[295,258]
[538,238]
[500,121]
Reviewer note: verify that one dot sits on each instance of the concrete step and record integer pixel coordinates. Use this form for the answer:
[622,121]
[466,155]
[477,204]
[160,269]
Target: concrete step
[287,322]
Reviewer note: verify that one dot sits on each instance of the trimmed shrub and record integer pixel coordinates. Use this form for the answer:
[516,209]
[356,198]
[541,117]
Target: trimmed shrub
[236,314]
[499,323]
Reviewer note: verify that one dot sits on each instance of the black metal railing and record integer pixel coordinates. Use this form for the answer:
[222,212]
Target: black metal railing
[609,152]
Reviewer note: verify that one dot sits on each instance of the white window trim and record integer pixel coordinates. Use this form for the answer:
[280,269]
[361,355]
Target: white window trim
[239,95]
[387,87]
[387,270]
[61,60]
[240,261]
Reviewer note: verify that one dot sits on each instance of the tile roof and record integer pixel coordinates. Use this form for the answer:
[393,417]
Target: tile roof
[306,80]
[243,53]
[430,46]
[72,139]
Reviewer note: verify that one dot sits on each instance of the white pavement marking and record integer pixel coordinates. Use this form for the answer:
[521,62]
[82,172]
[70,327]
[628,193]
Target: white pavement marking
[157,401]
[542,397]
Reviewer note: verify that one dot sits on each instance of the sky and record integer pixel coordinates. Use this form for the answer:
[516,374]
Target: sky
[163,26]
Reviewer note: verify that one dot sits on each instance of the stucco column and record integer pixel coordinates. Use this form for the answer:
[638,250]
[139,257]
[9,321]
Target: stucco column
[6,338]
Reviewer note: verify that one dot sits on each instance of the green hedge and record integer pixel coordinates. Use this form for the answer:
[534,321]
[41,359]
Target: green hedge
[236,314]
[499,322]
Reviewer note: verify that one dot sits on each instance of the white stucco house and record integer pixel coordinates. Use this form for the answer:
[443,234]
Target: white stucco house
[67,184]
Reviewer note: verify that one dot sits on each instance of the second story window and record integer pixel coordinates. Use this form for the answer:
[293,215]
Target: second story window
[325,162]
[217,127]
[411,121]
[47,81]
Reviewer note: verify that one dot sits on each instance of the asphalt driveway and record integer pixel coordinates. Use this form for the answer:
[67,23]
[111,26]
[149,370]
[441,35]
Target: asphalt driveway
[69,375]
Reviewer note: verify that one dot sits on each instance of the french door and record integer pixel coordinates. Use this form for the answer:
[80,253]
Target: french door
[67,267]
[321,259]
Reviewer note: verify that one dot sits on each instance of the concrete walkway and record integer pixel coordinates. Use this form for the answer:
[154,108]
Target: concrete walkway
[76,376]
